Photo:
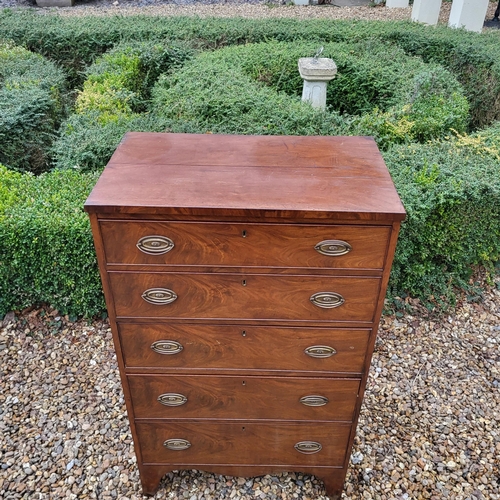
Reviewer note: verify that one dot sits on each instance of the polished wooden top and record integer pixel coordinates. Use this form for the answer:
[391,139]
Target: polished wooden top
[261,176]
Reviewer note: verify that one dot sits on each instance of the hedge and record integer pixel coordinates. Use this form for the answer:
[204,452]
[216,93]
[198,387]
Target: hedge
[46,249]
[76,42]
[450,189]
[32,92]
[116,90]
[451,192]
[255,89]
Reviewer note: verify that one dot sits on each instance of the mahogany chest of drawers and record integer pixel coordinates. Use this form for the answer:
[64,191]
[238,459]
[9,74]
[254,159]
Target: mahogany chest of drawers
[244,278]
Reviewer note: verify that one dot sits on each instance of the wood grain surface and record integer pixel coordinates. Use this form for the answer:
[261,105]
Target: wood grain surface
[226,397]
[272,245]
[192,174]
[243,443]
[222,347]
[216,296]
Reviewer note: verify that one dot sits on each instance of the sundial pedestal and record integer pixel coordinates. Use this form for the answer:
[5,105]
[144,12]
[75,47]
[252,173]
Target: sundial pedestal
[316,73]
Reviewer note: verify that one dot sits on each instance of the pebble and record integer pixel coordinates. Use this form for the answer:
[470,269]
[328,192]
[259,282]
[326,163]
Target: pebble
[256,9]
[429,426]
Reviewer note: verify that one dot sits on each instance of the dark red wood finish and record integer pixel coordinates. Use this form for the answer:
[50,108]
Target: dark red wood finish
[220,348]
[243,215]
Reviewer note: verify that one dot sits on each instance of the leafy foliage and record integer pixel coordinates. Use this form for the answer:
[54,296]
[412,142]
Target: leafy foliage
[76,42]
[451,192]
[46,249]
[255,89]
[117,88]
[32,103]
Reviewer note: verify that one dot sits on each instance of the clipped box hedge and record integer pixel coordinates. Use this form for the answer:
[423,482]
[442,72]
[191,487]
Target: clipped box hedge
[75,42]
[450,189]
[113,100]
[451,192]
[46,249]
[32,93]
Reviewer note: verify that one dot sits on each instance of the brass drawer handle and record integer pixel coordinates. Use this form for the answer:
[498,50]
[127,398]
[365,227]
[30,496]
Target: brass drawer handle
[167,347]
[327,300]
[314,400]
[172,399]
[308,447]
[159,296]
[320,351]
[155,245]
[177,444]
[333,248]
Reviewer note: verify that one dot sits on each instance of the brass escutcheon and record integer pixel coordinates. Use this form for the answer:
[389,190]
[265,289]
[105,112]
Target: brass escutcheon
[333,248]
[320,351]
[155,245]
[166,347]
[177,444]
[308,447]
[159,296]
[327,300]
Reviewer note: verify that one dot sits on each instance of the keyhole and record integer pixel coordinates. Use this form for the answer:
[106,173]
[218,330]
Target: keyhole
[243,383]
[244,282]
[243,333]
[244,233]
[242,428]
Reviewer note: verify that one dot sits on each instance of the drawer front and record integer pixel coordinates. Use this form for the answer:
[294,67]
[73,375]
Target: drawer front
[214,296]
[244,443]
[266,245]
[251,348]
[157,396]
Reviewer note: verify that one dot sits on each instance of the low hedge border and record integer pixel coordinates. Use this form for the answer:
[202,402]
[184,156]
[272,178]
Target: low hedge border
[451,191]
[32,103]
[256,88]
[113,101]
[76,42]
[46,248]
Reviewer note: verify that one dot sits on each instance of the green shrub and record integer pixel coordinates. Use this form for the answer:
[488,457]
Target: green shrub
[255,89]
[119,82]
[46,249]
[451,192]
[75,42]
[117,88]
[86,143]
[31,100]
[222,99]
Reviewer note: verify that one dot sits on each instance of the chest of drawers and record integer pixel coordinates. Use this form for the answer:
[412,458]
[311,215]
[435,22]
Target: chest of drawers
[244,280]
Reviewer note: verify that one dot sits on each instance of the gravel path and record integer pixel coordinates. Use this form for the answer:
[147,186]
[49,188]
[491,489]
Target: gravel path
[429,428]
[256,9]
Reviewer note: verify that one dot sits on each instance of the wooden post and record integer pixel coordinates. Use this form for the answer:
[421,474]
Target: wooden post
[426,11]
[468,14]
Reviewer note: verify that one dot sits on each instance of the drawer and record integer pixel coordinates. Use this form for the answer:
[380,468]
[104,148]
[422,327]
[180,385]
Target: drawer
[185,346]
[214,296]
[225,397]
[247,245]
[244,443]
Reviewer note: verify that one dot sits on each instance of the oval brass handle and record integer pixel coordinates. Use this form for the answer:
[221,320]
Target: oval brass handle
[159,296]
[167,347]
[308,447]
[177,444]
[155,245]
[172,399]
[327,300]
[333,248]
[314,400]
[320,351]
